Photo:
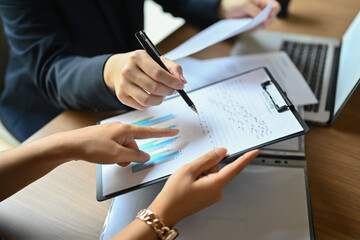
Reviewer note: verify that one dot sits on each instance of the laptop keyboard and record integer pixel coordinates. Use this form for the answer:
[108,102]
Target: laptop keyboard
[310,60]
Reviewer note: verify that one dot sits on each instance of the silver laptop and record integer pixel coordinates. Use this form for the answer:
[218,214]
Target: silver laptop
[330,66]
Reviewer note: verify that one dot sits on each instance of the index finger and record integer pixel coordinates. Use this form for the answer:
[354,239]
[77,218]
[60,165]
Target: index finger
[141,132]
[160,75]
[230,171]
[207,161]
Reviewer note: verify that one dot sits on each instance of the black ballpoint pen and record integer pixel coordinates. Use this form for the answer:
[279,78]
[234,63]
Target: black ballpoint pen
[150,48]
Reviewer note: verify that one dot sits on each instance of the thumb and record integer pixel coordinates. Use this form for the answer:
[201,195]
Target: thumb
[132,155]
[231,170]
[207,161]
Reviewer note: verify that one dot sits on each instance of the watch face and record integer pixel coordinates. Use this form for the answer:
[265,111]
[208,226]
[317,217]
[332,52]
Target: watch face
[171,234]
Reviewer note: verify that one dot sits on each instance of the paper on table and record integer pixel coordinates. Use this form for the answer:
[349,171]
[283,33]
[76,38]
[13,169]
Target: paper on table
[200,73]
[235,113]
[217,32]
[262,202]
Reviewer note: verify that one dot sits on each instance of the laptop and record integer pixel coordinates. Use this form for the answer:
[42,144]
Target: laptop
[329,65]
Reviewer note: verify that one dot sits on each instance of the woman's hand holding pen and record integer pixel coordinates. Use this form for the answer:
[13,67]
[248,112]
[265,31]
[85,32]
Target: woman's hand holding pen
[138,81]
[188,190]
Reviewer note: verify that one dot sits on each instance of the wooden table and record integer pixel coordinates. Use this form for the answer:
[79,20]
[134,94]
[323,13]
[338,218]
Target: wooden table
[62,204]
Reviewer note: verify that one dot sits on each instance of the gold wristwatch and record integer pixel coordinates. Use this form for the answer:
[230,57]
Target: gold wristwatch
[164,232]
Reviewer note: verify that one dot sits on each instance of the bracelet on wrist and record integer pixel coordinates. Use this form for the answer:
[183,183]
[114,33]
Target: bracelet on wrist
[164,232]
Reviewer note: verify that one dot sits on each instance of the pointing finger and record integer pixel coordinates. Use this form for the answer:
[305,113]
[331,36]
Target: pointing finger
[141,132]
[132,155]
[231,170]
[207,161]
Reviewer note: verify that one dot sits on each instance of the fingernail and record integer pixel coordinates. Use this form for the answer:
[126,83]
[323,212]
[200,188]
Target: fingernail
[221,152]
[257,151]
[146,157]
[180,86]
[174,131]
[183,78]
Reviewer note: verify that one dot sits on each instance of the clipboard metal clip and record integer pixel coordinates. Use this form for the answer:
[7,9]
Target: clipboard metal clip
[279,109]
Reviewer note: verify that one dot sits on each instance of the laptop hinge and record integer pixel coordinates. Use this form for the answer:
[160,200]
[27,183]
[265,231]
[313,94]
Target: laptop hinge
[330,100]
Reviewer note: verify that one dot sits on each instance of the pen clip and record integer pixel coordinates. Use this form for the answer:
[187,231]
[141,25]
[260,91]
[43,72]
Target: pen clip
[146,43]
[279,109]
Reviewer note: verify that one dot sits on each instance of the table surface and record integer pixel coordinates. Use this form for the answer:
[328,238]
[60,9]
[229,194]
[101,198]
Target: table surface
[62,204]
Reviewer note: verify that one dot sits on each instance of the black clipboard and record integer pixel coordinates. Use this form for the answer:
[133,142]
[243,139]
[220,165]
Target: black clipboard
[267,85]
[288,106]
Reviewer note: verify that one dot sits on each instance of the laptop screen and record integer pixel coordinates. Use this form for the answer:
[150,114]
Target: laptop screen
[349,65]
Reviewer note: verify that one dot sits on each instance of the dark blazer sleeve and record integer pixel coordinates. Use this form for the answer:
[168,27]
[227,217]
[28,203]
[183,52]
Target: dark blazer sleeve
[201,13]
[69,80]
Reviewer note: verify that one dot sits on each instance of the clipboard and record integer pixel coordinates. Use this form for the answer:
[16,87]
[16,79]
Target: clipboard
[243,112]
[262,202]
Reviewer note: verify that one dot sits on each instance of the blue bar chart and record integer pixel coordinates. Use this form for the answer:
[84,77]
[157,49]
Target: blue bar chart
[160,150]
[156,144]
[151,120]
[155,158]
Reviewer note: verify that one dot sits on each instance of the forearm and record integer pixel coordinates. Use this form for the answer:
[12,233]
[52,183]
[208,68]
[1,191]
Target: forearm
[80,84]
[136,230]
[139,229]
[46,55]
[25,164]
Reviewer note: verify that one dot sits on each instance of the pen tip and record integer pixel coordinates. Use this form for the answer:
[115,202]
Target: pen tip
[194,109]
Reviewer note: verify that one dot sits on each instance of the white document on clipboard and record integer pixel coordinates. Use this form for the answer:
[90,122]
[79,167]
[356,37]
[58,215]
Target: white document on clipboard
[200,73]
[245,112]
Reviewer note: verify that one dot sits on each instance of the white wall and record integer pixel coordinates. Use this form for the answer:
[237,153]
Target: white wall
[158,25]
